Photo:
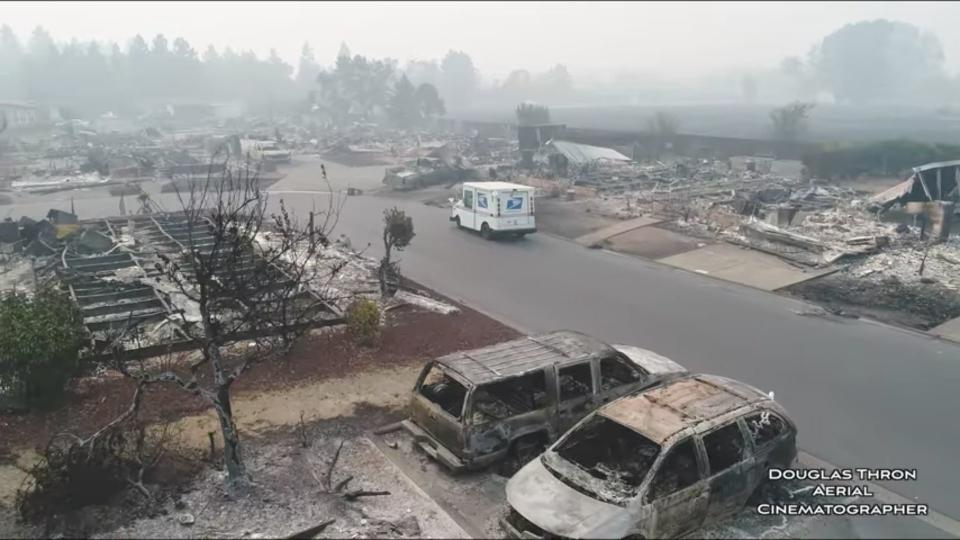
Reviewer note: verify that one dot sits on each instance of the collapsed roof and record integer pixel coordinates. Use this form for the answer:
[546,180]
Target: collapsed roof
[930,182]
[582,154]
[109,268]
[519,356]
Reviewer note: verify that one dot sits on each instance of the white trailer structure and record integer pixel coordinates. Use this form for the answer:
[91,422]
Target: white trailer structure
[495,208]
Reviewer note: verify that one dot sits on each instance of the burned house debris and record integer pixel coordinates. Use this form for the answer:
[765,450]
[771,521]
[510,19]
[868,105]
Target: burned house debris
[474,408]
[109,267]
[931,193]
[631,466]
[901,258]
[930,182]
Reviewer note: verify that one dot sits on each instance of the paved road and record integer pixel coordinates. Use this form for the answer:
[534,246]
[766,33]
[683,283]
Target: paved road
[863,394]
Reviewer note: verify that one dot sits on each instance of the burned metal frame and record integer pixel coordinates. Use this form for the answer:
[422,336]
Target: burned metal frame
[114,308]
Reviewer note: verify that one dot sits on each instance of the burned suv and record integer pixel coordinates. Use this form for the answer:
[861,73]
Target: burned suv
[473,408]
[658,463]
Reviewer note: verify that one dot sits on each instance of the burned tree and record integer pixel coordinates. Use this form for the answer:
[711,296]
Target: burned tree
[531,114]
[397,233]
[789,122]
[246,283]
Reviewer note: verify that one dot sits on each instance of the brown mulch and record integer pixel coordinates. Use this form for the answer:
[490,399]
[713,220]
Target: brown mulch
[411,336]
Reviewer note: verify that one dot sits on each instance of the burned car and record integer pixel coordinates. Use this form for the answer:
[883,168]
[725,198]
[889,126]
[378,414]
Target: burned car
[657,463]
[474,408]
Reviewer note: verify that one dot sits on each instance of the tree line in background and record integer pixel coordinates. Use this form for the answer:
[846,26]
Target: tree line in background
[865,62]
[97,77]
[92,78]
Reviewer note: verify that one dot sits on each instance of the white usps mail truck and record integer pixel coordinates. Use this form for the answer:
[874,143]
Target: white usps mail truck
[495,209]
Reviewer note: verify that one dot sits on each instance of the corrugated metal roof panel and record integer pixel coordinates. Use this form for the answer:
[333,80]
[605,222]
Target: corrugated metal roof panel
[584,153]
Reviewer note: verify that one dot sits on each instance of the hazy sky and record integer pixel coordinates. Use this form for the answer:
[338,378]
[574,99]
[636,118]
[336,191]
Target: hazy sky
[591,38]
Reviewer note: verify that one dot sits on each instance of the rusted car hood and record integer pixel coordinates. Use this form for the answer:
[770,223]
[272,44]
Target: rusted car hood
[650,361]
[550,504]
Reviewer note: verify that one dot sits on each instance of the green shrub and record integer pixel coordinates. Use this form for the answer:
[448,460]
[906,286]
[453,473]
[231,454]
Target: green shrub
[363,321]
[40,344]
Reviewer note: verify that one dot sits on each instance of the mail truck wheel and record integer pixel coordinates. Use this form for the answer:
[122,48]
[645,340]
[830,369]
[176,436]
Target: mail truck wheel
[485,231]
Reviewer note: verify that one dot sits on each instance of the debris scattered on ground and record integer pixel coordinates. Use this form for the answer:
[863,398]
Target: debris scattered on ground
[287,501]
[426,303]
[768,206]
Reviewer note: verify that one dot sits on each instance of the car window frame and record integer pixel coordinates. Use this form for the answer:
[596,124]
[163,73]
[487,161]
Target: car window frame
[746,454]
[694,439]
[617,355]
[461,419]
[787,428]
[470,401]
[594,382]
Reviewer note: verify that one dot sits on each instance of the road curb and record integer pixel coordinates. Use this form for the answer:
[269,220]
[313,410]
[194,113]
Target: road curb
[935,519]
[869,320]
[469,531]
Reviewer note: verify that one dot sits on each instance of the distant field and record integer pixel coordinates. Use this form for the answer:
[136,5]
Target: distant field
[827,123]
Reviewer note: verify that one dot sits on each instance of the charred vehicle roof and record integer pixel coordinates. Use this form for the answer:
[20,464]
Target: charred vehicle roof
[661,412]
[512,358]
[656,463]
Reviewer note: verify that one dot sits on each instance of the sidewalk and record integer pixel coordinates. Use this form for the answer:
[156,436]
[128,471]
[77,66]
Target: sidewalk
[596,237]
[948,330]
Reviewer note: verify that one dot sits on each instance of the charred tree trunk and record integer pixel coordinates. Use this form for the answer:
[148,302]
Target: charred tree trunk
[386,269]
[232,459]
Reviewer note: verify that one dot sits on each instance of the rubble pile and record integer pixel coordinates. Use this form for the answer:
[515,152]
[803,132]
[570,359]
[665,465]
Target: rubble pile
[914,263]
[76,156]
[807,223]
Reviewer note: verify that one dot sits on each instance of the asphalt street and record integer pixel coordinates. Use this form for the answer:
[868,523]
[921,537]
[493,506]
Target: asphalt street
[863,394]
